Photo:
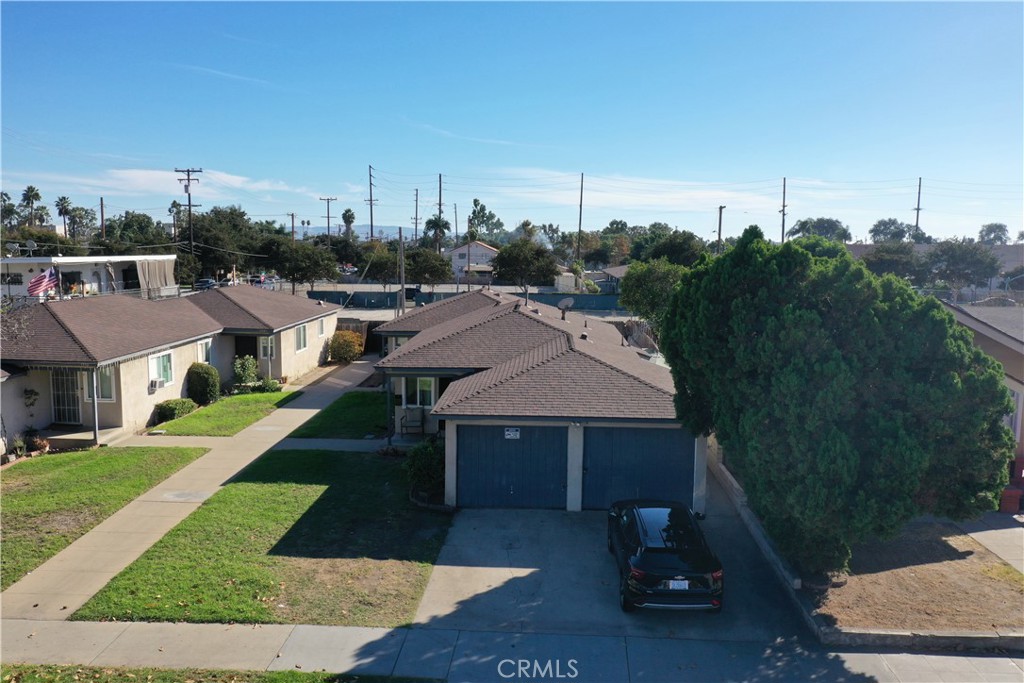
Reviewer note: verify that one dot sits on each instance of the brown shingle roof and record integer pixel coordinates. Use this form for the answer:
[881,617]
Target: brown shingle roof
[565,379]
[96,330]
[419,319]
[256,310]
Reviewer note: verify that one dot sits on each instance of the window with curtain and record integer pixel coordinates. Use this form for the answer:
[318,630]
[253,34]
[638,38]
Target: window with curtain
[160,367]
[105,380]
[300,338]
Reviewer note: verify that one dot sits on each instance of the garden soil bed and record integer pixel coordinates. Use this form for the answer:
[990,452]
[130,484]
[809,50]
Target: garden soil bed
[932,577]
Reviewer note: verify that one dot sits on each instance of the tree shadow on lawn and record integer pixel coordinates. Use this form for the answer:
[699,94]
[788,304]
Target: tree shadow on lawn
[921,541]
[363,512]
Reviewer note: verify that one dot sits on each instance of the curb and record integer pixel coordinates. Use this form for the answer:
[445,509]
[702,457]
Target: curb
[832,635]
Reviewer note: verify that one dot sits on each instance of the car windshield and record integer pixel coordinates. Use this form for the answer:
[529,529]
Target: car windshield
[670,529]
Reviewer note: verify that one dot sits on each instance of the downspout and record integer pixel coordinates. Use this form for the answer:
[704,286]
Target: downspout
[390,403]
[95,407]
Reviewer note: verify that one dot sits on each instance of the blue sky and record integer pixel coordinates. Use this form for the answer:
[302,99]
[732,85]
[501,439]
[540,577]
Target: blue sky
[668,109]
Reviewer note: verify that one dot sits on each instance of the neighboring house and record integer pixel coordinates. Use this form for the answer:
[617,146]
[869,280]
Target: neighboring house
[541,410]
[130,353]
[151,276]
[135,353]
[287,334]
[400,330]
[1010,256]
[999,332]
[472,259]
[613,276]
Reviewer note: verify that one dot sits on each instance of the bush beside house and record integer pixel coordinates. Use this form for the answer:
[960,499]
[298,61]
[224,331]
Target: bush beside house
[203,383]
[346,346]
[174,408]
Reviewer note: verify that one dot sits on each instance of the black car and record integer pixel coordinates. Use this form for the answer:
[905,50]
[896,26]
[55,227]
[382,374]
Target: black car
[664,560]
[205,283]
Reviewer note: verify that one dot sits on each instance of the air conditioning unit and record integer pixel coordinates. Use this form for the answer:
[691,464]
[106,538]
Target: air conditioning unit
[155,384]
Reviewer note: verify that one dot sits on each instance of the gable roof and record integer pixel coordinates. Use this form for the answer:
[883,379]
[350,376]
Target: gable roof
[97,330]
[254,310]
[475,243]
[424,317]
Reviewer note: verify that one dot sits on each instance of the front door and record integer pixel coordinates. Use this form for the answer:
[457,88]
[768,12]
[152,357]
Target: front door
[66,405]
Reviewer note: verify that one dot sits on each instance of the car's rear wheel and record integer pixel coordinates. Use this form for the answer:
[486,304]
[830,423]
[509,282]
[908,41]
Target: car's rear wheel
[611,548]
[624,602]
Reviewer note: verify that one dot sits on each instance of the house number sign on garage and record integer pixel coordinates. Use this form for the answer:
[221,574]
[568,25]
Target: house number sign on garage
[511,432]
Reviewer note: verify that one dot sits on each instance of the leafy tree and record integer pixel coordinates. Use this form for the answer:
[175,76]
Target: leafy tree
[81,223]
[49,244]
[829,228]
[1020,237]
[552,233]
[8,211]
[348,217]
[615,227]
[847,404]
[484,222]
[63,206]
[427,267]
[525,230]
[647,290]
[525,263]
[682,248]
[598,256]
[381,261]
[437,227]
[306,263]
[961,263]
[890,230]
[645,238]
[897,258]
[29,198]
[1014,279]
[994,233]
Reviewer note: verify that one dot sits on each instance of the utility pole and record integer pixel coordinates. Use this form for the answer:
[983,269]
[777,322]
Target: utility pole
[188,191]
[783,211]
[917,211]
[371,202]
[579,230]
[720,210]
[455,267]
[400,299]
[103,221]
[293,226]
[416,219]
[439,204]
[328,216]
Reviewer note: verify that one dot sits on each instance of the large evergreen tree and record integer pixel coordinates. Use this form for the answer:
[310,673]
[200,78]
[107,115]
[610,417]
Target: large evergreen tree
[847,403]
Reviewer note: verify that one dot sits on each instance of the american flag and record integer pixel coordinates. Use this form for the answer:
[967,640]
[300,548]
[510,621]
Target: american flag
[43,282]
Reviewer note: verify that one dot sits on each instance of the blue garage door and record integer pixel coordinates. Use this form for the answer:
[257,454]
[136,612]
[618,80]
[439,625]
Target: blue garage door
[524,472]
[623,463]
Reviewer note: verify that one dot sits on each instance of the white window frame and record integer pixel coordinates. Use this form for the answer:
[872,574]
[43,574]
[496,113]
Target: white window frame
[301,340]
[419,388]
[205,351]
[108,371]
[155,366]
[320,327]
[267,343]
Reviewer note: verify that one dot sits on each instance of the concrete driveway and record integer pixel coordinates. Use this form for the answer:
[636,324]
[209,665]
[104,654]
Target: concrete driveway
[543,571]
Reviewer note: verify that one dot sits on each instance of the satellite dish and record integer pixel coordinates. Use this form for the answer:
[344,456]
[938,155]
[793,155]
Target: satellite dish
[30,244]
[566,303]
[13,248]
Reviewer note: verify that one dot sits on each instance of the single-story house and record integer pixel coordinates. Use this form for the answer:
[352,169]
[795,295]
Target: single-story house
[400,330]
[542,408]
[999,332]
[133,353]
[472,259]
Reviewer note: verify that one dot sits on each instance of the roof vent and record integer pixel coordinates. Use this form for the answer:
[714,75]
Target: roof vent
[584,335]
[535,310]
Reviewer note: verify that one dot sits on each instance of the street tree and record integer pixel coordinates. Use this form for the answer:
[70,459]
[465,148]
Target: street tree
[681,247]
[846,403]
[348,217]
[647,290]
[381,261]
[484,222]
[993,234]
[525,263]
[436,228]
[829,228]
[63,206]
[960,263]
[890,230]
[427,267]
[303,262]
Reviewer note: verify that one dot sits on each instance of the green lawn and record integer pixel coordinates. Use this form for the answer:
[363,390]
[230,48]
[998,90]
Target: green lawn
[302,537]
[355,415]
[229,415]
[51,500]
[50,673]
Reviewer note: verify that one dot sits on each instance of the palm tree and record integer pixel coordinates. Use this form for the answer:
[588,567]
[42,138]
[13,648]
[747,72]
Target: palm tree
[63,205]
[30,196]
[348,217]
[437,227]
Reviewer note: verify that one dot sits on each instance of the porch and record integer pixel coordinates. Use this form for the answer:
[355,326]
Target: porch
[78,436]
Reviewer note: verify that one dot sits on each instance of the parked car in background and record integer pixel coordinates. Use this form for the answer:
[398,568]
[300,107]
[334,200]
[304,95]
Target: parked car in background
[227,282]
[663,558]
[205,283]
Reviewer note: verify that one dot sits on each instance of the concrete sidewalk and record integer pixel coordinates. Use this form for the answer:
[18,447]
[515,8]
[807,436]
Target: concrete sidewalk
[54,590]
[1001,533]
[476,656]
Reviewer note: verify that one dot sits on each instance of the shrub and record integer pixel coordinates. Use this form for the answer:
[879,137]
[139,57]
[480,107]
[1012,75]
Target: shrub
[246,370]
[424,468]
[346,346]
[174,408]
[268,385]
[203,383]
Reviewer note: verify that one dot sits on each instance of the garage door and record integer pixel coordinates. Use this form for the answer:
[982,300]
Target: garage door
[524,467]
[623,463]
